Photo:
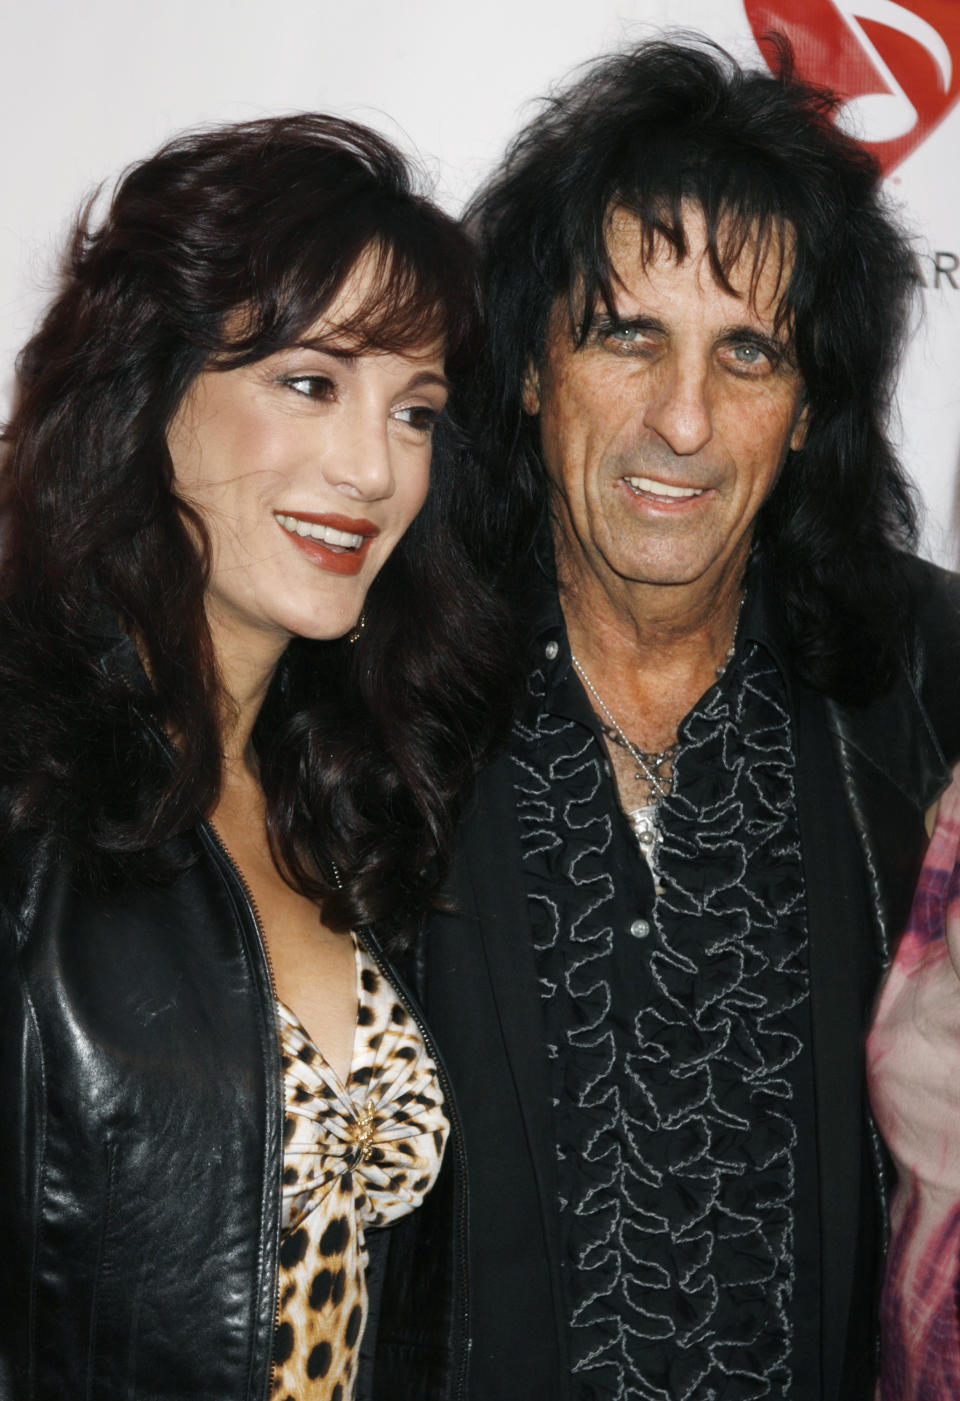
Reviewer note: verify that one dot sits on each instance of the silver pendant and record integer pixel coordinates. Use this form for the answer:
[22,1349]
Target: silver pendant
[646,829]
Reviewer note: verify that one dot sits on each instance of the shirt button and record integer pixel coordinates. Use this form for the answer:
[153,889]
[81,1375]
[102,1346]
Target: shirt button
[551,649]
[640,928]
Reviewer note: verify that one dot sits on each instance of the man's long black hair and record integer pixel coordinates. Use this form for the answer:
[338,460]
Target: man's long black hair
[675,125]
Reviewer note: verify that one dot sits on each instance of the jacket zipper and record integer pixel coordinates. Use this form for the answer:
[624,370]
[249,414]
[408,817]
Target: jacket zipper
[369,941]
[254,910]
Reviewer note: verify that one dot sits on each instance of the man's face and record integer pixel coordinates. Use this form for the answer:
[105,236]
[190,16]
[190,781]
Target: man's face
[663,435]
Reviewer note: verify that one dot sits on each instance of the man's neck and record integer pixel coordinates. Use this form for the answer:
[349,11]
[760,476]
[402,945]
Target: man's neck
[650,650]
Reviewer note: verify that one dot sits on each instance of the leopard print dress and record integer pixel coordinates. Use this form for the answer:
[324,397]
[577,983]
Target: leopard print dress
[356,1155]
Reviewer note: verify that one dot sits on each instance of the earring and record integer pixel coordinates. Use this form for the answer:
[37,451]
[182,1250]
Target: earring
[354,634]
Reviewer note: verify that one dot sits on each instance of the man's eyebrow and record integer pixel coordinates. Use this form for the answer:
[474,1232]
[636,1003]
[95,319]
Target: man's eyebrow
[605,322]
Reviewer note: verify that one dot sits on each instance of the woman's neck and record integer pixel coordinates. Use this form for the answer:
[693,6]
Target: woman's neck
[246,662]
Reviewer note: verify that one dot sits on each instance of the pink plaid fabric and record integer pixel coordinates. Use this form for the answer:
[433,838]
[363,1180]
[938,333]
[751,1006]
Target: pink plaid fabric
[913,1068]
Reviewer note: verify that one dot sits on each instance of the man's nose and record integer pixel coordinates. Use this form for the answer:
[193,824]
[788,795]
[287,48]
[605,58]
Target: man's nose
[358,462]
[679,410]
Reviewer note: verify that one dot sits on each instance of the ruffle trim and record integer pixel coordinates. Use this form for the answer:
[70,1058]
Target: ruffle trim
[676,1148]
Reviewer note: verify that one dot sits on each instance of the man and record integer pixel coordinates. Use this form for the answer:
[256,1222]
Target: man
[674,894]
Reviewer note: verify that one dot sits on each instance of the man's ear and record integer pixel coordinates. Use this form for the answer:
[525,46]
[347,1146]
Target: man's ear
[531,390]
[799,435]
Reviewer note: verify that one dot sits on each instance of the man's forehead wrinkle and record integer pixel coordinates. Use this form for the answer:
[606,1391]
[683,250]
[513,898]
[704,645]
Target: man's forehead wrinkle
[734,242]
[729,228]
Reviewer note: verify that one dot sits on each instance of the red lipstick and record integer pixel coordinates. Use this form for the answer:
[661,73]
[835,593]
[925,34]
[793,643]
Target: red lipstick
[334,559]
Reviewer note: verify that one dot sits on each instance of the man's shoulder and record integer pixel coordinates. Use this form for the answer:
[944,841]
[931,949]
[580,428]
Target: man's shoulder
[935,593]
[933,587]
[934,647]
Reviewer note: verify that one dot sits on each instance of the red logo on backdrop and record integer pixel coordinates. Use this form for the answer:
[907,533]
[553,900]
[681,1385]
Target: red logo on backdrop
[897,66]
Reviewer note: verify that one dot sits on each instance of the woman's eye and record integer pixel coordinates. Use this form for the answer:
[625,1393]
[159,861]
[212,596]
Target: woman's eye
[311,386]
[419,416]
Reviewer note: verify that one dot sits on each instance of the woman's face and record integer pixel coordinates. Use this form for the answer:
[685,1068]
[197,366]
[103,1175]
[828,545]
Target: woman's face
[306,468]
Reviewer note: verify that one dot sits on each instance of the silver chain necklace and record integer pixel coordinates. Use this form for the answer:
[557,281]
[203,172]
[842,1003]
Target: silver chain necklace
[649,764]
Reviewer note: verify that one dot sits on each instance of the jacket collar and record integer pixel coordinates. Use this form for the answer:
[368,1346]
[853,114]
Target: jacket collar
[890,741]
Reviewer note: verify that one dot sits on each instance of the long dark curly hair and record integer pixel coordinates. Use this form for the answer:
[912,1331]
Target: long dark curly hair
[676,124]
[362,748]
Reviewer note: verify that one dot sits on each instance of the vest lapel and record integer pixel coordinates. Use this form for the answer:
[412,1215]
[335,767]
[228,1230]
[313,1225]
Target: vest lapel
[892,769]
[882,764]
[484,1006]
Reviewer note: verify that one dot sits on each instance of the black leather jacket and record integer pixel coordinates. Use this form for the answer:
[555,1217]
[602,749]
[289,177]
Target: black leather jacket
[141,1147]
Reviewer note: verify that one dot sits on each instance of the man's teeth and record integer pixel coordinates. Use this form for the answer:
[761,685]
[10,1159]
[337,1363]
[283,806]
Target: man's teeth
[647,484]
[324,533]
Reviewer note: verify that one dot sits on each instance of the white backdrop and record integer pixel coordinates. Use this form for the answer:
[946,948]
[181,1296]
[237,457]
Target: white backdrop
[88,88]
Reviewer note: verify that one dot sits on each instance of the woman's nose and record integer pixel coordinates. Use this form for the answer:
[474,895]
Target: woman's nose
[358,461]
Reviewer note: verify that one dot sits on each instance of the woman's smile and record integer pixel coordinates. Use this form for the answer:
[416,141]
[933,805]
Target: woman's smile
[335,543]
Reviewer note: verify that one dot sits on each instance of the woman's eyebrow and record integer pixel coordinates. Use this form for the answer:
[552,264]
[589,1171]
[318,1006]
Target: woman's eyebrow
[349,358]
[326,347]
[428,377]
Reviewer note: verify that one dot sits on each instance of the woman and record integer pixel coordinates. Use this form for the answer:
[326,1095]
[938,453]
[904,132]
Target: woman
[913,1064]
[240,685]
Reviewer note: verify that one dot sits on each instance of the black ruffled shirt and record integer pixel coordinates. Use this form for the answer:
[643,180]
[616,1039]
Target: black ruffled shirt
[678,1033]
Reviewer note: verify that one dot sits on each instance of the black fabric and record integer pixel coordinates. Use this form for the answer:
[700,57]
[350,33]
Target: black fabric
[418,1331]
[476,971]
[864,777]
[678,1036]
[845,968]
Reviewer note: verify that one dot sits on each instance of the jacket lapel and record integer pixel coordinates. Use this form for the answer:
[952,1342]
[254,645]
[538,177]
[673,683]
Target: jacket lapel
[892,769]
[483,1001]
[504,925]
